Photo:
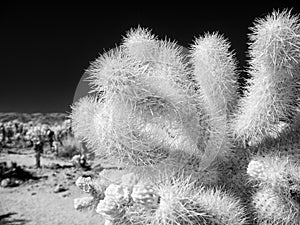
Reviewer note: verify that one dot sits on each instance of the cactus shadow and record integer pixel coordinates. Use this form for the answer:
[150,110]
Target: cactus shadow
[5,219]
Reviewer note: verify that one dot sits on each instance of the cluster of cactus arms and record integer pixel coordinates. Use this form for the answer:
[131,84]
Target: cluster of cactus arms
[168,200]
[201,152]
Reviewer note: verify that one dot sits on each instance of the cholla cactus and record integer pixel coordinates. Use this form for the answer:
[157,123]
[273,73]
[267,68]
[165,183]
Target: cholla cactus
[145,195]
[178,110]
[158,115]
[215,73]
[85,184]
[273,207]
[110,210]
[182,202]
[272,94]
[277,199]
[160,110]
[83,113]
[89,185]
[216,80]
[95,188]
[118,193]
[139,43]
[256,169]
[275,171]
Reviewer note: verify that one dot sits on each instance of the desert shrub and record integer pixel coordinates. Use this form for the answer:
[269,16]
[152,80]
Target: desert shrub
[71,146]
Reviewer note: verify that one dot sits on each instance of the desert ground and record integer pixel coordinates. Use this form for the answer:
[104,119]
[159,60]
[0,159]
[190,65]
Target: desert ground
[47,197]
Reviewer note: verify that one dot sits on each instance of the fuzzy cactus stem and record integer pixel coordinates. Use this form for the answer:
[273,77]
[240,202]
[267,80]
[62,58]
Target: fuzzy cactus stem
[271,96]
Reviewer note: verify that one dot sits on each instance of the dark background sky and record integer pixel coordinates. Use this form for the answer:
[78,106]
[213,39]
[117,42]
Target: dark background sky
[46,47]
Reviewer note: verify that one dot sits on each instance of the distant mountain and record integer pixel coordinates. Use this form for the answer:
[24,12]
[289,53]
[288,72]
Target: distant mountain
[49,118]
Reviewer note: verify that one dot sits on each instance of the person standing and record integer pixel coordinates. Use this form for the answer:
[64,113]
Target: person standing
[50,136]
[38,148]
[3,134]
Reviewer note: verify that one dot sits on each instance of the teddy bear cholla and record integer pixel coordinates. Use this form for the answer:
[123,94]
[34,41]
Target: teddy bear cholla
[170,108]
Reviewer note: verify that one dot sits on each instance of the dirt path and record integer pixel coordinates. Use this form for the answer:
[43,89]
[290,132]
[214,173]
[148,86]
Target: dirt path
[35,203]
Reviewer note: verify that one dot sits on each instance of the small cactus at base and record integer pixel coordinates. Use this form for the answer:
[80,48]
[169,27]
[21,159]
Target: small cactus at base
[145,195]
[85,184]
[110,209]
[256,169]
[91,186]
[118,193]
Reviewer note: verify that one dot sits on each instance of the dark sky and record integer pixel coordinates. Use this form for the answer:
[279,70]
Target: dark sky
[46,47]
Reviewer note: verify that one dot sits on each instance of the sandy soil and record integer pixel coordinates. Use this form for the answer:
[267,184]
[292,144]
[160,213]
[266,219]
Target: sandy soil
[35,203]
